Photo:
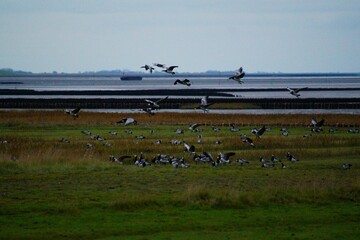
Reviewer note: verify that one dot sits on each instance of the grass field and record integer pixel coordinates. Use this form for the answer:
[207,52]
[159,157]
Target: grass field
[53,189]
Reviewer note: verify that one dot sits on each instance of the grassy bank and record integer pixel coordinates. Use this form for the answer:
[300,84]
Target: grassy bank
[54,189]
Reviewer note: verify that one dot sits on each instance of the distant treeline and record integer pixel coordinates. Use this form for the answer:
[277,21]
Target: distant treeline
[9,71]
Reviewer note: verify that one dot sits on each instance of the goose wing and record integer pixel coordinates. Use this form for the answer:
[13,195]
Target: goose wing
[171,68]
[161,99]
[299,89]
[261,131]
[75,111]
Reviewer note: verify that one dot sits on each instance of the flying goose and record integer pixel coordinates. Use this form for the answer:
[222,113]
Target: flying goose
[239,74]
[148,67]
[155,104]
[193,127]
[160,65]
[170,69]
[316,125]
[189,148]
[258,132]
[183,82]
[73,113]
[128,121]
[295,91]
[204,104]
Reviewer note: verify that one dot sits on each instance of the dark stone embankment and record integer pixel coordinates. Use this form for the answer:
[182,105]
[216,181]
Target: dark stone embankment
[177,103]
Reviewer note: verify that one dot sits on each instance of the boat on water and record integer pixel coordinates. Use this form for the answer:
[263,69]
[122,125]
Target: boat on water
[131,78]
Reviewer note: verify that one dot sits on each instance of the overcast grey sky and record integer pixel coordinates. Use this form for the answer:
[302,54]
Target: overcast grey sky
[196,35]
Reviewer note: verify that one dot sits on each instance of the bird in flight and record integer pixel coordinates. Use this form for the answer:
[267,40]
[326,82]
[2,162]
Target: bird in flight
[73,113]
[155,104]
[204,104]
[160,65]
[170,69]
[183,82]
[239,74]
[295,91]
[148,67]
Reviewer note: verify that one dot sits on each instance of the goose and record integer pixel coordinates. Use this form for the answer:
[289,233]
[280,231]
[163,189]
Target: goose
[160,65]
[157,142]
[86,132]
[283,166]
[205,157]
[346,166]
[200,141]
[233,128]
[225,157]
[239,74]
[128,131]
[215,129]
[316,125]
[89,146]
[179,131]
[353,130]
[119,159]
[73,113]
[295,91]
[140,137]
[170,69]
[291,157]
[64,140]
[193,127]
[241,161]
[114,133]
[183,82]
[148,67]
[284,132]
[274,159]
[189,148]
[204,104]
[155,104]
[248,141]
[128,121]
[218,142]
[267,165]
[175,142]
[258,132]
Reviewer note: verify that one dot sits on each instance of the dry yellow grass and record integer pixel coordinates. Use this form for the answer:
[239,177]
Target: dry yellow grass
[93,118]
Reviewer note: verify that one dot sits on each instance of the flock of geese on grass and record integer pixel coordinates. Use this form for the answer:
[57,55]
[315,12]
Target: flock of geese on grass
[237,77]
[204,157]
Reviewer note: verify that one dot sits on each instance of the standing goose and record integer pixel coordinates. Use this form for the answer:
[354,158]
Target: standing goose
[346,166]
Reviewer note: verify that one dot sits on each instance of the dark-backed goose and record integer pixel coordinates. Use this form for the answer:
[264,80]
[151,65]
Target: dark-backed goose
[160,65]
[183,82]
[189,148]
[148,67]
[239,74]
[170,69]
[295,91]
[128,121]
[73,113]
[155,104]
[248,140]
[346,166]
[316,126]
[258,132]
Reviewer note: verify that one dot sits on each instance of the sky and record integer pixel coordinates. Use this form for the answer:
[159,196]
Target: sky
[292,36]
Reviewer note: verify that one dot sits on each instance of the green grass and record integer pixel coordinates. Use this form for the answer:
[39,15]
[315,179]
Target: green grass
[66,191]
